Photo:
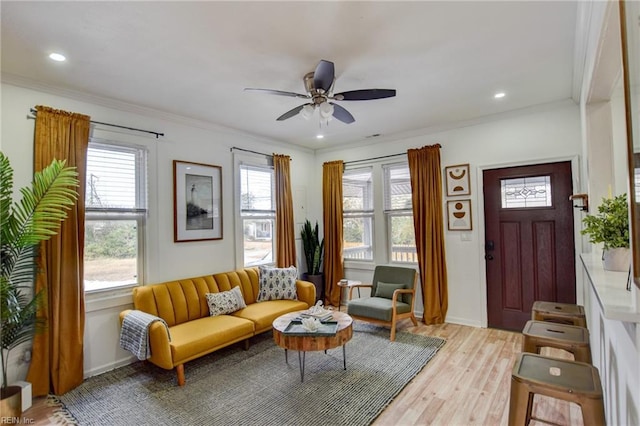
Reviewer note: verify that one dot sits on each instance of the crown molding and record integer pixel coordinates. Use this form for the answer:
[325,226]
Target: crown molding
[118,105]
[427,131]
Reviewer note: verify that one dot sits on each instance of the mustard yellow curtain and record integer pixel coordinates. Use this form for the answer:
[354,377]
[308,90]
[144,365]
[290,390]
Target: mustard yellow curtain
[285,232]
[426,191]
[57,363]
[332,221]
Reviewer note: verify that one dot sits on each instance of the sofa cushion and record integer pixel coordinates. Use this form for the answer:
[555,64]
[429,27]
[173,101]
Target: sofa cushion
[263,313]
[225,302]
[195,338]
[277,283]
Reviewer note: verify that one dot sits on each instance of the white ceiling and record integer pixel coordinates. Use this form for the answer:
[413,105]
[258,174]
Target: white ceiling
[445,59]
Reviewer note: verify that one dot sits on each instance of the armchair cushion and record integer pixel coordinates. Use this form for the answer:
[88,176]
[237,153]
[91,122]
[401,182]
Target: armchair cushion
[376,307]
[385,290]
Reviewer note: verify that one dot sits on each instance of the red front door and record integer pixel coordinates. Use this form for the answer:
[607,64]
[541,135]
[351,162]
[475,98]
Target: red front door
[529,247]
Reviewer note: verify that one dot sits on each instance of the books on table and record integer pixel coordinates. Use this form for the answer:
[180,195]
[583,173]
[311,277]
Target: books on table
[322,316]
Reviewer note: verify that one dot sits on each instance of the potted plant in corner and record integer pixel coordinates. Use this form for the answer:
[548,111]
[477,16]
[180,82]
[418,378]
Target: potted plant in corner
[35,218]
[611,228]
[313,250]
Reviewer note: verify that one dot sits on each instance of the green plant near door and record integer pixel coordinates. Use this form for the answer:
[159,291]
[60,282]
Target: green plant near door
[313,247]
[24,224]
[611,225]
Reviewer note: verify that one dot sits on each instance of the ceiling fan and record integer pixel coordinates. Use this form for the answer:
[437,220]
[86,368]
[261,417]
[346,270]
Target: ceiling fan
[319,87]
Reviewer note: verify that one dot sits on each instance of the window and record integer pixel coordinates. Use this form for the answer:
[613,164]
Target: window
[115,213]
[526,192]
[258,214]
[357,201]
[398,211]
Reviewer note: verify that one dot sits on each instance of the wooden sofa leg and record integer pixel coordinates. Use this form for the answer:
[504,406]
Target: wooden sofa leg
[246,344]
[180,373]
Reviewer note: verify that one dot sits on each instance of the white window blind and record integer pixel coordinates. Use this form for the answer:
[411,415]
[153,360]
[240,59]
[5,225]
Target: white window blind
[115,179]
[397,194]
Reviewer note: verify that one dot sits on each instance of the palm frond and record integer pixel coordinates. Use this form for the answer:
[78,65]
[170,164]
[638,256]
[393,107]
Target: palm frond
[19,318]
[6,193]
[44,205]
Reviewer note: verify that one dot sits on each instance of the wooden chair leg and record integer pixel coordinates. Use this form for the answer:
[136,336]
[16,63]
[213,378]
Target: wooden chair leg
[180,373]
[393,329]
[518,404]
[414,320]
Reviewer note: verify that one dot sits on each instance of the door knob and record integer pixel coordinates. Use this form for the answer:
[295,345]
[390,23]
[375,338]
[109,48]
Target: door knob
[488,256]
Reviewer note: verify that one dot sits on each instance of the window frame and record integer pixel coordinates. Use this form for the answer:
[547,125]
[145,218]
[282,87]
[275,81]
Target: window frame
[364,214]
[254,214]
[390,213]
[138,214]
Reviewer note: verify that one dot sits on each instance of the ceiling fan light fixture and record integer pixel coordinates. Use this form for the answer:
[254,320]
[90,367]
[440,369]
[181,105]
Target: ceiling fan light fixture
[307,111]
[326,111]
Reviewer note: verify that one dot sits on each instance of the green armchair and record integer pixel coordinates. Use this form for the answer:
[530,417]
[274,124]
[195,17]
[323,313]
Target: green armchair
[392,297]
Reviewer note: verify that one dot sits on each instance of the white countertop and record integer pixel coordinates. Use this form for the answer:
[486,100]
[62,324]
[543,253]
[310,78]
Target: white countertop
[610,287]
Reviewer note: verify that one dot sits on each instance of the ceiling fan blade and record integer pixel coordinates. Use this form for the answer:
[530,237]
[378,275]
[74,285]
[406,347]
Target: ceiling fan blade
[365,94]
[291,113]
[279,93]
[342,114]
[324,75]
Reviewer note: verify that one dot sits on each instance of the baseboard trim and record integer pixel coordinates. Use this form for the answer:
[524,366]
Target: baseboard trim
[463,321]
[110,366]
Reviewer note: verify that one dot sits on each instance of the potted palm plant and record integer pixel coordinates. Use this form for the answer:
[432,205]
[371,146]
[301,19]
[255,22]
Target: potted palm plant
[24,224]
[313,251]
[611,228]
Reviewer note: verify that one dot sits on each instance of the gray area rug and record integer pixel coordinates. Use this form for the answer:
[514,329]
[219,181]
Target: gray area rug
[257,387]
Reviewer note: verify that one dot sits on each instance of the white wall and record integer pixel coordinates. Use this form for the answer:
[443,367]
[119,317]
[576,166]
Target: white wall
[538,135]
[186,140]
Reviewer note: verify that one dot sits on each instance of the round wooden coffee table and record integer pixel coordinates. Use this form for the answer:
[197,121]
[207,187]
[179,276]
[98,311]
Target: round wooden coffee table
[311,342]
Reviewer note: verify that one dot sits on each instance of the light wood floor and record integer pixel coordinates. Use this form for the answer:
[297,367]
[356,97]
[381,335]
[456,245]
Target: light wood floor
[466,383]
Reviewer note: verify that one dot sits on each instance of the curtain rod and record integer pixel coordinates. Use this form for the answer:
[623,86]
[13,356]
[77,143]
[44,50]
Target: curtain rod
[158,134]
[384,156]
[270,156]
[248,150]
[374,158]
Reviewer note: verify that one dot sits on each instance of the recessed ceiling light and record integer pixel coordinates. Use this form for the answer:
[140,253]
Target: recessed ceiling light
[58,57]
[319,136]
[499,95]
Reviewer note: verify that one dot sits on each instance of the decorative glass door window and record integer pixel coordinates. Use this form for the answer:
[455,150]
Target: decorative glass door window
[527,192]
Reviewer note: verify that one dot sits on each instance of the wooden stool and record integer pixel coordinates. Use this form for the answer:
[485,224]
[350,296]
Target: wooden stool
[572,381]
[540,334]
[564,313]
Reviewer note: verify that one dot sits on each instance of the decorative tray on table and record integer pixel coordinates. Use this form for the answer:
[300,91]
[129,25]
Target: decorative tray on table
[327,328]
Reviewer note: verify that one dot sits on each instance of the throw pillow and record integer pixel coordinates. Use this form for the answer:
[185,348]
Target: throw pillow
[277,283]
[225,302]
[386,290]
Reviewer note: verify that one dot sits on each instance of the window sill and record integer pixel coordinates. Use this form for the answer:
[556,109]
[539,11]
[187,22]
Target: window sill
[97,300]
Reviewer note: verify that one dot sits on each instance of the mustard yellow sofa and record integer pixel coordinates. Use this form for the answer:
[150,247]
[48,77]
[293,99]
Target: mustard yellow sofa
[183,306]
